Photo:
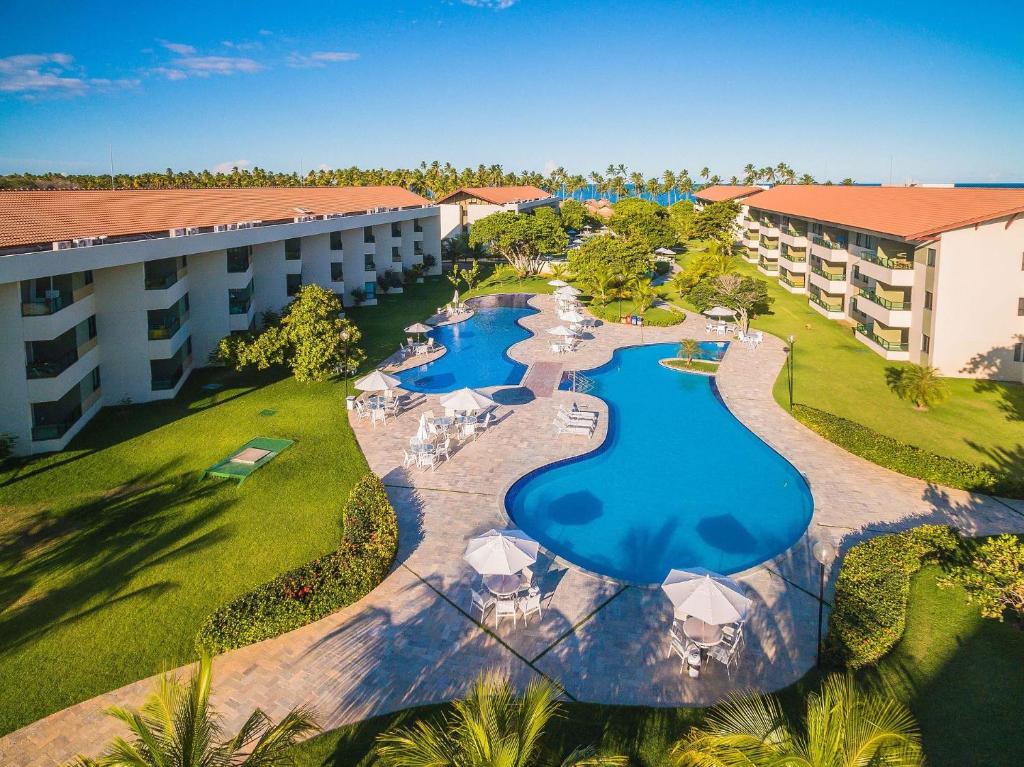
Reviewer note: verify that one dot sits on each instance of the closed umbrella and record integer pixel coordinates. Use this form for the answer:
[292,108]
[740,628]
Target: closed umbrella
[720,311]
[568,291]
[501,553]
[558,283]
[705,595]
[423,433]
[455,298]
[377,381]
[466,400]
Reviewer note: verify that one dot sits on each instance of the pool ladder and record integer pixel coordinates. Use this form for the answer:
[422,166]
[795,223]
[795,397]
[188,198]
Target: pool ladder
[578,382]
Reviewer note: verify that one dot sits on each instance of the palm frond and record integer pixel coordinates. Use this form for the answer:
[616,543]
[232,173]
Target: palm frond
[274,745]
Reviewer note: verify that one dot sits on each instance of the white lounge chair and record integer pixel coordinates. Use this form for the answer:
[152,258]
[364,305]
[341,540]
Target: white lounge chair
[486,423]
[557,348]
[529,605]
[480,602]
[577,416]
[504,608]
[563,427]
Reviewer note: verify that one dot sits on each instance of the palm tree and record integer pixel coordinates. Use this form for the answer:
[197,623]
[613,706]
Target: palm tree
[177,726]
[643,295]
[922,385]
[680,282]
[558,270]
[602,284]
[843,727]
[491,726]
[749,174]
[689,348]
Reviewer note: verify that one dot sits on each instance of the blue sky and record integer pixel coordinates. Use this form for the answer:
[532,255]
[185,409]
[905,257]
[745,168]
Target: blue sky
[936,87]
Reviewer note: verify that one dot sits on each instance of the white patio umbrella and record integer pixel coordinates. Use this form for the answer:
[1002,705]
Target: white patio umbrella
[571,316]
[558,283]
[560,330]
[664,252]
[711,597]
[720,311]
[466,400]
[501,553]
[377,381]
[568,291]
[419,328]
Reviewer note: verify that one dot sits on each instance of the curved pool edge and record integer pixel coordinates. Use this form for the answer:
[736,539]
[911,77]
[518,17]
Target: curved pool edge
[503,494]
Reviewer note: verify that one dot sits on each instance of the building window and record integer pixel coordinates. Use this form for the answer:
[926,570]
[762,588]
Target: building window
[368,265]
[336,241]
[337,274]
[931,256]
[1018,352]
[417,226]
[1020,307]
[396,255]
[96,378]
[865,241]
[927,299]
[292,283]
[238,259]
[91,326]
[368,234]
[396,229]
[293,249]
[856,272]
[88,275]
[926,343]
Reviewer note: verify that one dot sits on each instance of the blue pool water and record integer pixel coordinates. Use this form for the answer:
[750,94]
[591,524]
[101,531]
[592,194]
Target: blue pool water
[476,354]
[679,482]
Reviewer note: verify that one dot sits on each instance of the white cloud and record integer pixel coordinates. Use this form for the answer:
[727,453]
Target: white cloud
[180,48]
[169,72]
[495,5]
[265,32]
[549,166]
[241,46]
[320,58]
[36,74]
[226,167]
[204,66]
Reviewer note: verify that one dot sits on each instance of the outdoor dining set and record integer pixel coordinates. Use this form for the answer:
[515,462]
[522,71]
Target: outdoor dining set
[568,310]
[381,398]
[504,561]
[717,324]
[463,420]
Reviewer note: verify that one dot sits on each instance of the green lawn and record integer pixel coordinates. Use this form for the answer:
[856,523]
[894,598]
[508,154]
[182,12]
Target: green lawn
[114,551]
[962,675]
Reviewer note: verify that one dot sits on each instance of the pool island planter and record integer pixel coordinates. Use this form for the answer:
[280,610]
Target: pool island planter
[667,363]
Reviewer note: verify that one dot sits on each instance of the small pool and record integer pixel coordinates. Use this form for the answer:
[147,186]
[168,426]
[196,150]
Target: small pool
[477,349]
[679,482]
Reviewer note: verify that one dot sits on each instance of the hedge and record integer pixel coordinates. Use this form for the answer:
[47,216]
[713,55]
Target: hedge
[318,588]
[901,457]
[655,317]
[872,591]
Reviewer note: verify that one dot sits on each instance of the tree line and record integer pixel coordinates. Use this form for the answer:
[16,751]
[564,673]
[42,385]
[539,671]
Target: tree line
[431,180]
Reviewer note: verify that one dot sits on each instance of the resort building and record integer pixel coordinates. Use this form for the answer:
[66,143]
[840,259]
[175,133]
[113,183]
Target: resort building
[930,275]
[471,203]
[724,193]
[107,297]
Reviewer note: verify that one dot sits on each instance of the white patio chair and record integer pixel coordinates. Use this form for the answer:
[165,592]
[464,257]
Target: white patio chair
[505,608]
[427,460]
[556,349]
[378,414]
[408,459]
[444,449]
[526,577]
[428,415]
[466,432]
[529,605]
[486,423]
[724,655]
[361,410]
[480,602]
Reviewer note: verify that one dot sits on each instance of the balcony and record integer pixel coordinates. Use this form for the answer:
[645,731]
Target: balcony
[369,266]
[830,306]
[793,237]
[885,303]
[895,314]
[793,262]
[768,229]
[750,242]
[161,280]
[750,254]
[768,266]
[891,350]
[898,272]
[792,283]
[751,224]
[239,304]
[56,430]
[769,248]
[168,380]
[828,281]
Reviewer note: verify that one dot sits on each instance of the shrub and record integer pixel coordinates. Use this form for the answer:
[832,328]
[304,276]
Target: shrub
[994,580]
[6,445]
[661,267]
[318,588]
[872,590]
[896,455]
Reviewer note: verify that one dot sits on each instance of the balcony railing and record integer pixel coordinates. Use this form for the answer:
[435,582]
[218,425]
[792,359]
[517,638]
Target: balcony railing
[165,330]
[38,307]
[768,266]
[239,305]
[165,382]
[795,232]
[52,368]
[828,275]
[796,258]
[791,282]
[828,307]
[369,266]
[768,245]
[162,281]
[817,239]
[56,430]
[885,303]
[396,258]
[889,263]
[892,346]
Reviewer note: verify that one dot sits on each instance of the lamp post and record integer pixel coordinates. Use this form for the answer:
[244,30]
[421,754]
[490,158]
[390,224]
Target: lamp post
[789,368]
[824,552]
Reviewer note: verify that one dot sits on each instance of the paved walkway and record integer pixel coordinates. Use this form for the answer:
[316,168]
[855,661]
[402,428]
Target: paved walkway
[412,641]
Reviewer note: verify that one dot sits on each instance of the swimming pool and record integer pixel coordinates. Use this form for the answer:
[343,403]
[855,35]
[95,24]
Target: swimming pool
[679,482]
[477,349]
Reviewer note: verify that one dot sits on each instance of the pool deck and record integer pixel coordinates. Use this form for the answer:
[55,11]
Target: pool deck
[412,640]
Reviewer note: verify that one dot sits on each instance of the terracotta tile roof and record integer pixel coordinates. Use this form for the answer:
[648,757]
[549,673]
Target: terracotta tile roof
[501,195]
[37,217]
[911,213]
[723,192]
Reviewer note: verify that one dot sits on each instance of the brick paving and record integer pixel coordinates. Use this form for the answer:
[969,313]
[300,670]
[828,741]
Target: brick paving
[413,641]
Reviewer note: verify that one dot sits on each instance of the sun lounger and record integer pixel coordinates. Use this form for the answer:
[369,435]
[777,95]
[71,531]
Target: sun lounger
[563,427]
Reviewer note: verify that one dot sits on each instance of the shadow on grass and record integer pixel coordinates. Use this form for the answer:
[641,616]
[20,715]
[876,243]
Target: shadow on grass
[94,552]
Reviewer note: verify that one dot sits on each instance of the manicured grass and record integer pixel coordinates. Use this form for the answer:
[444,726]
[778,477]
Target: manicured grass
[962,675]
[114,551]
[700,365]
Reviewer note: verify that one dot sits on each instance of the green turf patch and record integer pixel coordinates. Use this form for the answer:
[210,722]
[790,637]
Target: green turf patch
[232,468]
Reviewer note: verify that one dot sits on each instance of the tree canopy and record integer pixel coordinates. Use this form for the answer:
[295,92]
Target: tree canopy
[521,238]
[625,259]
[574,215]
[642,221]
[310,338]
[747,295]
[680,218]
[716,221]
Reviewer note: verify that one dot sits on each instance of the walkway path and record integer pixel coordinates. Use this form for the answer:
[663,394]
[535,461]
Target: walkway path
[412,641]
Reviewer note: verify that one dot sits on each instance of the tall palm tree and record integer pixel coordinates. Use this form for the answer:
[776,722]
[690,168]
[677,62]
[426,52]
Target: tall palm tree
[749,173]
[602,284]
[643,294]
[922,385]
[491,727]
[177,727]
[843,727]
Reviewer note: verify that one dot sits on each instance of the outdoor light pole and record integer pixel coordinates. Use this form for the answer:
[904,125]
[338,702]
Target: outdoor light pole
[789,369]
[825,553]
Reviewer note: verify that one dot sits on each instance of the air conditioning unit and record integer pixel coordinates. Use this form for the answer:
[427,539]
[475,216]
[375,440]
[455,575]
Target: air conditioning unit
[302,219]
[179,232]
[223,227]
[63,245]
[84,242]
[191,230]
[332,215]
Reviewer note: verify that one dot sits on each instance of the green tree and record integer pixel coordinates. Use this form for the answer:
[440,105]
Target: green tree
[747,295]
[626,258]
[919,384]
[716,221]
[689,348]
[311,338]
[642,221]
[843,727]
[995,578]
[521,238]
[602,284]
[716,260]
[643,294]
[574,215]
[491,727]
[680,218]
[177,727]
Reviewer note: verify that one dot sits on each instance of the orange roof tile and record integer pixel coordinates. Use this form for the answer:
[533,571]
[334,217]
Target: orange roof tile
[37,217]
[501,195]
[723,192]
[908,212]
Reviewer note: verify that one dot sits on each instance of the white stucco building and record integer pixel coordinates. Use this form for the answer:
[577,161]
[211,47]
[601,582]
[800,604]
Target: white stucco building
[931,275]
[471,203]
[107,296]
